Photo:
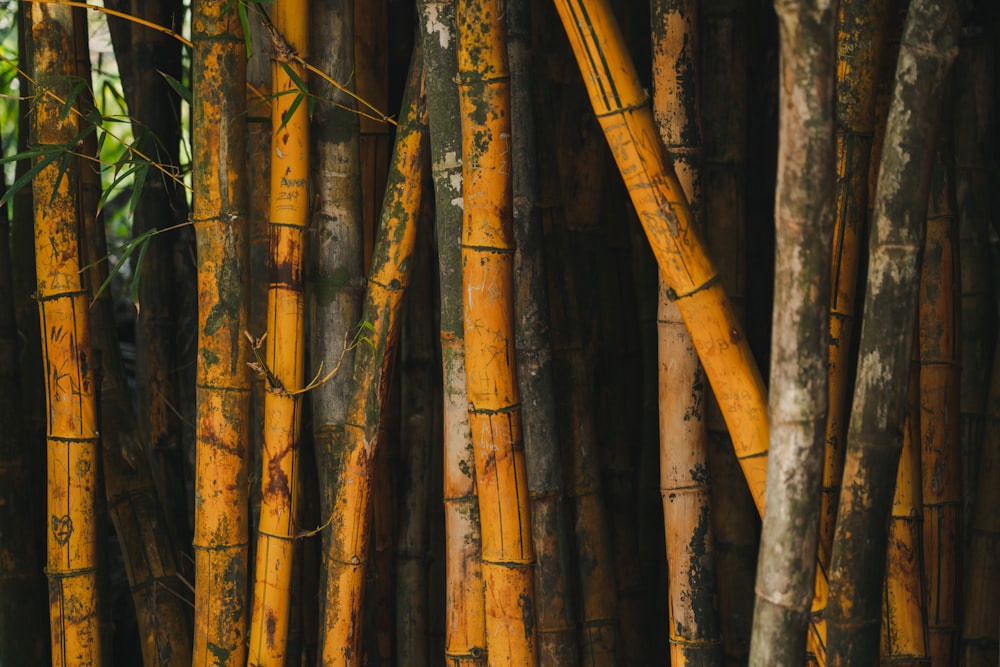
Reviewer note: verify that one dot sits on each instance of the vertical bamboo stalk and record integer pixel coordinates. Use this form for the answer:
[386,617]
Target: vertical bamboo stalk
[927,49]
[71,425]
[223,393]
[693,632]
[860,36]
[465,621]
[904,616]
[939,420]
[347,550]
[557,644]
[804,219]
[488,306]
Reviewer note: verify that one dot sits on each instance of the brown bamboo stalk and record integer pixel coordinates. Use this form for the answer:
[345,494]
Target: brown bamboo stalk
[71,401]
[346,552]
[684,479]
[982,615]
[939,421]
[223,394]
[904,609]
[488,313]
[555,612]
[927,49]
[860,36]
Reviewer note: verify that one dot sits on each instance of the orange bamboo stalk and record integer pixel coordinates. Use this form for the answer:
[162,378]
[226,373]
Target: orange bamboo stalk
[223,378]
[904,617]
[939,417]
[348,544]
[491,371]
[70,389]
[285,342]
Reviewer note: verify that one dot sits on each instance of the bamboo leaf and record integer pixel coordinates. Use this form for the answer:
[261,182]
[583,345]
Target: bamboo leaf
[179,88]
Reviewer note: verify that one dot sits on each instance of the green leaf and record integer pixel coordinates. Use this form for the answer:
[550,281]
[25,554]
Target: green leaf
[183,91]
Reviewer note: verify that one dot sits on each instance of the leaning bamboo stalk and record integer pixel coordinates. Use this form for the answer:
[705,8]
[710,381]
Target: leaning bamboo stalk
[70,389]
[693,631]
[346,551]
[982,614]
[557,644]
[804,220]
[927,49]
[623,111]
[465,620]
[904,616]
[939,412]
[223,383]
[860,36]
[285,338]
[488,312]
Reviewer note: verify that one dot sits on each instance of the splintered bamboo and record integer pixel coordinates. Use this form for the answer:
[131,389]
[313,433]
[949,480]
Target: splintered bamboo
[939,420]
[554,610]
[223,384]
[860,35]
[874,432]
[465,629]
[490,361]
[904,620]
[982,614]
[70,389]
[693,631]
[787,577]
[623,111]
[283,359]
[348,545]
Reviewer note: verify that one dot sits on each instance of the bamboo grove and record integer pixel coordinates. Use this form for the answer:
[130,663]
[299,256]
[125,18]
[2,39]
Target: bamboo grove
[592,333]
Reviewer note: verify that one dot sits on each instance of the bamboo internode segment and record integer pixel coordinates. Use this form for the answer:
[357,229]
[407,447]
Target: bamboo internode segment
[350,529]
[490,362]
[70,389]
[285,343]
[223,378]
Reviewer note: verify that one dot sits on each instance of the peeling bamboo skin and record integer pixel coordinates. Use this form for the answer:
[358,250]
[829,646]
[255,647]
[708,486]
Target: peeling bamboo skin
[284,347]
[982,615]
[693,633]
[927,49]
[465,620]
[787,578]
[904,620]
[488,313]
[939,340]
[860,34]
[70,391]
[347,550]
[223,389]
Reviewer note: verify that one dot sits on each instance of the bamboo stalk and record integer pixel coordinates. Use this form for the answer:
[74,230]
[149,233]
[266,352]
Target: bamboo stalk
[860,36]
[693,630]
[488,312]
[223,386]
[71,428]
[941,466]
[346,552]
[465,620]
[555,612]
[874,433]
[804,217]
[904,610]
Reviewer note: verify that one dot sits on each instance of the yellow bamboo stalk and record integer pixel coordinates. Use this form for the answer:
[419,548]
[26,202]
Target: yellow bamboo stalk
[939,411]
[348,544]
[623,111]
[285,342]
[491,371]
[904,618]
[223,379]
[70,389]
